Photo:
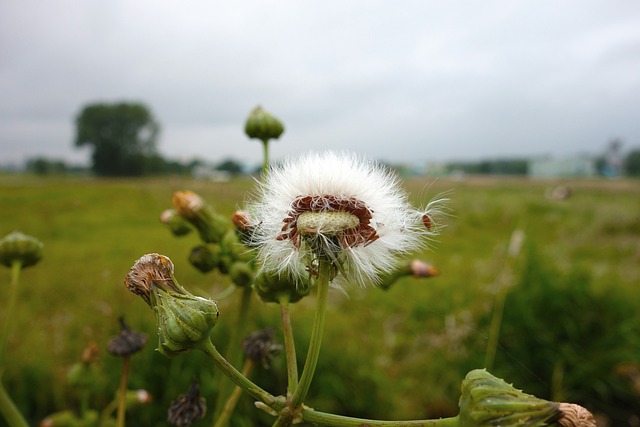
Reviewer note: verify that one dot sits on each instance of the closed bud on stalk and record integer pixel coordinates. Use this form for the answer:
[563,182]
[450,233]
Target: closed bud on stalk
[488,401]
[178,225]
[18,247]
[127,342]
[241,274]
[272,286]
[184,320]
[190,206]
[415,268]
[83,374]
[205,258]
[262,125]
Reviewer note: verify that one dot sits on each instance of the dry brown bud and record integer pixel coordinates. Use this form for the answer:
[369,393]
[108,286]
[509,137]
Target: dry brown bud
[150,269]
[575,416]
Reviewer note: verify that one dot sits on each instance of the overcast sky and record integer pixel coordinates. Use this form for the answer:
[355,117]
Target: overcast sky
[396,80]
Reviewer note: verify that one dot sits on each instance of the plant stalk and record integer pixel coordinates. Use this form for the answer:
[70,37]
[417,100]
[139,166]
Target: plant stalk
[16,266]
[235,395]
[122,398]
[316,336]
[9,410]
[240,380]
[265,157]
[289,346]
[233,350]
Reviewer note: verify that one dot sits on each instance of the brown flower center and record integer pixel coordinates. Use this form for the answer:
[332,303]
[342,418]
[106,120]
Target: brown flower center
[346,218]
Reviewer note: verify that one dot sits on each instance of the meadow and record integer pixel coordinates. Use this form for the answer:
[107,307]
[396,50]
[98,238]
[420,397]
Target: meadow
[570,328]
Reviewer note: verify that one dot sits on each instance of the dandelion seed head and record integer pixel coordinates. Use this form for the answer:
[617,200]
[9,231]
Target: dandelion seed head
[349,210]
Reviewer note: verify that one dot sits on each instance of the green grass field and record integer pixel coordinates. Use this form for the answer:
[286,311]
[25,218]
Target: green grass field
[571,317]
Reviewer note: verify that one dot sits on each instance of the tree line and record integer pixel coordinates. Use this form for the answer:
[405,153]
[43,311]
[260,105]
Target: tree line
[123,140]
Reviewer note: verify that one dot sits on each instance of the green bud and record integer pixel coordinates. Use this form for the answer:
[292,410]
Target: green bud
[210,225]
[178,225]
[273,286]
[241,274]
[488,401]
[262,125]
[62,419]
[18,247]
[205,258]
[184,320]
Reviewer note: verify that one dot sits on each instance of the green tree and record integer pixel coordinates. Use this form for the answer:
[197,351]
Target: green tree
[123,136]
[632,163]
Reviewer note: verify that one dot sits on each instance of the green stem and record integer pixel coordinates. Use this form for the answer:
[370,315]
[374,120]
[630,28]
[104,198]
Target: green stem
[494,331]
[9,410]
[233,351]
[235,395]
[240,380]
[122,397]
[265,157]
[289,346]
[325,419]
[16,266]
[316,336]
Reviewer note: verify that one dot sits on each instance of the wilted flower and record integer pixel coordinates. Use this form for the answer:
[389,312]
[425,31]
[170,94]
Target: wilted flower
[184,320]
[260,346]
[340,208]
[188,407]
[190,206]
[127,342]
[18,247]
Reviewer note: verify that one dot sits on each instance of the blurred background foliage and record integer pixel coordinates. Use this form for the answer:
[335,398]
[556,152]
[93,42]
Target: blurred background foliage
[570,331]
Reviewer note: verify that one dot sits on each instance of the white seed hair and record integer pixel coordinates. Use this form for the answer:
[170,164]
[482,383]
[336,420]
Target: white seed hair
[342,175]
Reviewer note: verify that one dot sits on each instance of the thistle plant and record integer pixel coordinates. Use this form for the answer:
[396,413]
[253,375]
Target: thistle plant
[323,220]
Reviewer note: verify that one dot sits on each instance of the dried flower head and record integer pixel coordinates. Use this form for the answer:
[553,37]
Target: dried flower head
[127,342]
[187,408]
[340,208]
[184,320]
[260,346]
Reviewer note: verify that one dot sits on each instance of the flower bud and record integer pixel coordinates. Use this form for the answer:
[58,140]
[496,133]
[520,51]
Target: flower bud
[18,247]
[188,407]
[272,286]
[127,342]
[241,274]
[488,401]
[184,320]
[178,225]
[205,258]
[416,268]
[262,125]
[194,209]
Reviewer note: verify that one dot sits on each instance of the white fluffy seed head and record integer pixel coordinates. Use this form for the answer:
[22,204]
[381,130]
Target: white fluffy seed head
[324,180]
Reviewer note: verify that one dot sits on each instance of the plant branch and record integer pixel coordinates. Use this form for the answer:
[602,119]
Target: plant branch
[289,345]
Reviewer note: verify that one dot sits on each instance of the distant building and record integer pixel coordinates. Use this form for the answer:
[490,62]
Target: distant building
[549,167]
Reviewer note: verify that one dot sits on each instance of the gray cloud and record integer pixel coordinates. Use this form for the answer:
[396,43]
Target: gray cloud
[404,81]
